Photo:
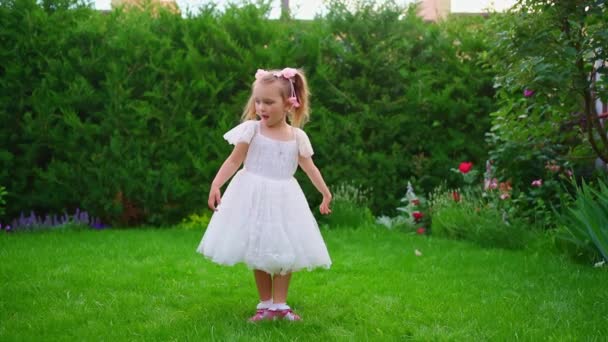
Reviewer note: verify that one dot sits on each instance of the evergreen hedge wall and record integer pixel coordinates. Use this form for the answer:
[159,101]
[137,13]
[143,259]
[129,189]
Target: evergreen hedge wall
[122,113]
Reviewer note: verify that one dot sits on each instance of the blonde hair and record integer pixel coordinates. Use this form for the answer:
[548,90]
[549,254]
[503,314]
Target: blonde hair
[300,115]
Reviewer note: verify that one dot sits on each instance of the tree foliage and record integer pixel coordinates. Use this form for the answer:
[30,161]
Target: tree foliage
[550,56]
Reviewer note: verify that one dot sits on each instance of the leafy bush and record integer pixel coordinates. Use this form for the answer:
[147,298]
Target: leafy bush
[543,54]
[398,97]
[196,221]
[2,200]
[123,118]
[470,218]
[530,202]
[123,113]
[480,210]
[584,230]
[349,207]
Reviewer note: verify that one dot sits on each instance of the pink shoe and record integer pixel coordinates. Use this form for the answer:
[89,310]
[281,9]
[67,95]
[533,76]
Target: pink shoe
[286,314]
[260,315]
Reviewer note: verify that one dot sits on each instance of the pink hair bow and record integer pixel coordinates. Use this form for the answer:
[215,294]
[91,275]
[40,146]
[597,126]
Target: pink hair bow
[287,73]
[260,73]
[294,101]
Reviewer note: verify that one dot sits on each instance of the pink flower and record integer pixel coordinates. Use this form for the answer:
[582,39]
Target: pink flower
[289,72]
[504,196]
[490,184]
[417,215]
[528,92]
[569,173]
[551,166]
[415,201]
[465,167]
[420,230]
[537,182]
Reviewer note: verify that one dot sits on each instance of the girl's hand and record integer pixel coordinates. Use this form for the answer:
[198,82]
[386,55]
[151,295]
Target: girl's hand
[215,198]
[324,207]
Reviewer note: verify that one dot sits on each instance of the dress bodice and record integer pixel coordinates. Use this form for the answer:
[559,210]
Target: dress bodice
[267,157]
[272,158]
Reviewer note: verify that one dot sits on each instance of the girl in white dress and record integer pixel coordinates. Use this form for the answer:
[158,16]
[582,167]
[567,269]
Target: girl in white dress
[263,218]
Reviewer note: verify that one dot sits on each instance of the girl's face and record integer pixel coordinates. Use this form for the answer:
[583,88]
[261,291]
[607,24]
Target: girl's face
[269,104]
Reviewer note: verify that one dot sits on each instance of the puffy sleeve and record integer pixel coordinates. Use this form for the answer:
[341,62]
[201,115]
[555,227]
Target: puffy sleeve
[304,146]
[242,133]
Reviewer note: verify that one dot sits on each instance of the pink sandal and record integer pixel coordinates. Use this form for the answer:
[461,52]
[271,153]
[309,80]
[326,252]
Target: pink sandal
[287,314]
[260,315]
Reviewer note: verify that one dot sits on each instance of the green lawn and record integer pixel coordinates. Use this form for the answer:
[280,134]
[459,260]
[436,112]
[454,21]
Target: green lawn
[150,284]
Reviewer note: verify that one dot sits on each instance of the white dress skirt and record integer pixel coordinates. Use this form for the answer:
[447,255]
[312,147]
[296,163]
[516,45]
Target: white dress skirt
[264,219]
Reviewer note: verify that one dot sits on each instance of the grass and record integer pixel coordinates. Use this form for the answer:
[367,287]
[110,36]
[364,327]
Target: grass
[149,284]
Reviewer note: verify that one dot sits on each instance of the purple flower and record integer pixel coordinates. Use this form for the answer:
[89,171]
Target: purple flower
[537,182]
[84,217]
[32,221]
[528,92]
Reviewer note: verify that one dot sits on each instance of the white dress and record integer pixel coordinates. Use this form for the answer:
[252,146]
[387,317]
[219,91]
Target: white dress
[264,219]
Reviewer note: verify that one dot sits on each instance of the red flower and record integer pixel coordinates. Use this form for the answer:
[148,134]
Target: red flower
[456,196]
[465,167]
[420,230]
[415,201]
[417,215]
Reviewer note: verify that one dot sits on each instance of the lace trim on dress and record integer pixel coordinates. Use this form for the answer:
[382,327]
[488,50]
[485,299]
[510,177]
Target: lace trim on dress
[244,132]
[304,145]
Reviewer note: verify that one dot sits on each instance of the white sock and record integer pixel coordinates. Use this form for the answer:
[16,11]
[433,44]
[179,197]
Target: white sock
[264,304]
[279,306]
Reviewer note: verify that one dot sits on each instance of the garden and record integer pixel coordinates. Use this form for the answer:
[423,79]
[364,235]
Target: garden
[467,159]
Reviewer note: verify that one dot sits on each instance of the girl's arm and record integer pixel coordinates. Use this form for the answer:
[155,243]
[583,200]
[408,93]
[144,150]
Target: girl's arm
[231,164]
[316,178]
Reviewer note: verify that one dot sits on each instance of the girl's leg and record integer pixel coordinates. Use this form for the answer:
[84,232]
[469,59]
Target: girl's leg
[263,282]
[280,284]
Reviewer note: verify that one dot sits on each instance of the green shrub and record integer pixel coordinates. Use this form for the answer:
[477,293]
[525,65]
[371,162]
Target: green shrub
[544,54]
[471,219]
[196,221]
[397,97]
[122,114]
[349,207]
[127,109]
[584,230]
[2,200]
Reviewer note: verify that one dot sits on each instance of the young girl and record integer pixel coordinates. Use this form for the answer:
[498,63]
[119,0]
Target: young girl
[263,218]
